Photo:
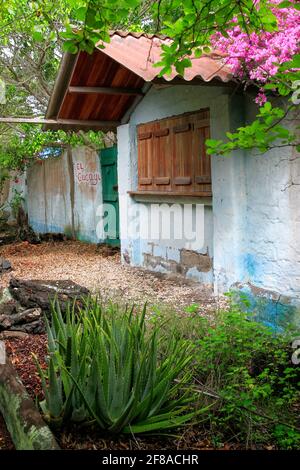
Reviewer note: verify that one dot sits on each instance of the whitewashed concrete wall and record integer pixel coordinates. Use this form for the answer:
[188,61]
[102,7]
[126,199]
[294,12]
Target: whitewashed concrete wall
[63,194]
[256,200]
[252,229]
[171,255]
[88,193]
[272,255]
[229,200]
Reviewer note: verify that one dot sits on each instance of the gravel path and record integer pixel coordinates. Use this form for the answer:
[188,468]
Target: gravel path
[83,263]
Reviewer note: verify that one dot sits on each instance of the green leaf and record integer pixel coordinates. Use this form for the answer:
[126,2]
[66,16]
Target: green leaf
[106,367]
[69,46]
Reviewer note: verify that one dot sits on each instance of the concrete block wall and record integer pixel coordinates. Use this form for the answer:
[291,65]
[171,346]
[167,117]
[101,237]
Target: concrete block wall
[63,194]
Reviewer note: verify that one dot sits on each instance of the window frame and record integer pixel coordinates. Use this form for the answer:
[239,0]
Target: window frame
[167,156]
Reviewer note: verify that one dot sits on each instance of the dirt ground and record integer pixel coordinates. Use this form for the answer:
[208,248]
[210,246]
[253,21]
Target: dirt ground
[84,264]
[5,440]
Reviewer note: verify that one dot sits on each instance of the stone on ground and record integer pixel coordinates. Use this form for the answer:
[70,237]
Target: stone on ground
[40,293]
[5,265]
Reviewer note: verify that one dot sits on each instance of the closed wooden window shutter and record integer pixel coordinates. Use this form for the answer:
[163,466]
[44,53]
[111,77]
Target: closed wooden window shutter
[145,158]
[202,164]
[162,156]
[182,155]
[172,156]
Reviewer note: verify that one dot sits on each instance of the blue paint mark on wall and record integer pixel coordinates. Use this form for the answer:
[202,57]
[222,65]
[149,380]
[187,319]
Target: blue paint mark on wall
[250,265]
[40,227]
[271,309]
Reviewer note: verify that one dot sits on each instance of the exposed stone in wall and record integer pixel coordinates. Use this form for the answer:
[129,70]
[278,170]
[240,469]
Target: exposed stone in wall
[154,262]
[192,259]
[188,259]
[126,256]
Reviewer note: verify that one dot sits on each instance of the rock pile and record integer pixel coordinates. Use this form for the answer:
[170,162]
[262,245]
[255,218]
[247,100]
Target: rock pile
[23,303]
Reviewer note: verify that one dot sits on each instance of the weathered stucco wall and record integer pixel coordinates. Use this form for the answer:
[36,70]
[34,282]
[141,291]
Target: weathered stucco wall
[229,200]
[251,231]
[87,196]
[193,260]
[4,192]
[48,195]
[63,194]
[256,225]
[271,259]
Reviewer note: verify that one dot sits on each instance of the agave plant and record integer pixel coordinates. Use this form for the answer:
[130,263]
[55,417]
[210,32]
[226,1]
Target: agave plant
[106,367]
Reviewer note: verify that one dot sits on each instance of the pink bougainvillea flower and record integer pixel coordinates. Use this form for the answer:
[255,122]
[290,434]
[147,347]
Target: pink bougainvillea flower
[261,98]
[258,56]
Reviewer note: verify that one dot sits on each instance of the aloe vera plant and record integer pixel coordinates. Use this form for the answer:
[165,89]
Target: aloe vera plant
[106,367]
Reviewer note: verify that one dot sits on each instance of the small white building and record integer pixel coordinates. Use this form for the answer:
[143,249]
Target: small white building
[222,221]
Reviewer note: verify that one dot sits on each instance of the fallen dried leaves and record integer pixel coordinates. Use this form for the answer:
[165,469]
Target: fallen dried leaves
[20,352]
[5,440]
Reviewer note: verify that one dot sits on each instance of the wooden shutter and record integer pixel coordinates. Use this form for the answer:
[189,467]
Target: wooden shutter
[182,155]
[145,158]
[162,156]
[202,165]
[172,156]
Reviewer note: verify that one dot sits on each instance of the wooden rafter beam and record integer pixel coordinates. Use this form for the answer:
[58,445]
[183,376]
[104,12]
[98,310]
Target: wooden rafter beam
[67,122]
[137,100]
[106,90]
[25,120]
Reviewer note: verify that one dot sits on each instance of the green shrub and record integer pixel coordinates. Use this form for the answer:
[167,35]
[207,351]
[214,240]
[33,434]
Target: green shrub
[106,368]
[16,202]
[247,370]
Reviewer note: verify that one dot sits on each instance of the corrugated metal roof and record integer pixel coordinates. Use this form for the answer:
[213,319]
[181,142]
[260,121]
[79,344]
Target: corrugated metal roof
[126,63]
[139,51]
[99,70]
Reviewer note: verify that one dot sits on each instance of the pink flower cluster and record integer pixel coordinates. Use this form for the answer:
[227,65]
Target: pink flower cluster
[257,56]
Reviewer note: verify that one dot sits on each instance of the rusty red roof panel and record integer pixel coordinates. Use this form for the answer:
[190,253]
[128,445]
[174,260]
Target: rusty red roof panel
[126,63]
[99,70]
[138,52]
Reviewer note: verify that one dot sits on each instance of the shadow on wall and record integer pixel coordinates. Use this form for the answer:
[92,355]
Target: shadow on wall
[268,307]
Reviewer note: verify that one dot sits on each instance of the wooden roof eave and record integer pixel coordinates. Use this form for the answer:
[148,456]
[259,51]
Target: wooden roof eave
[61,85]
